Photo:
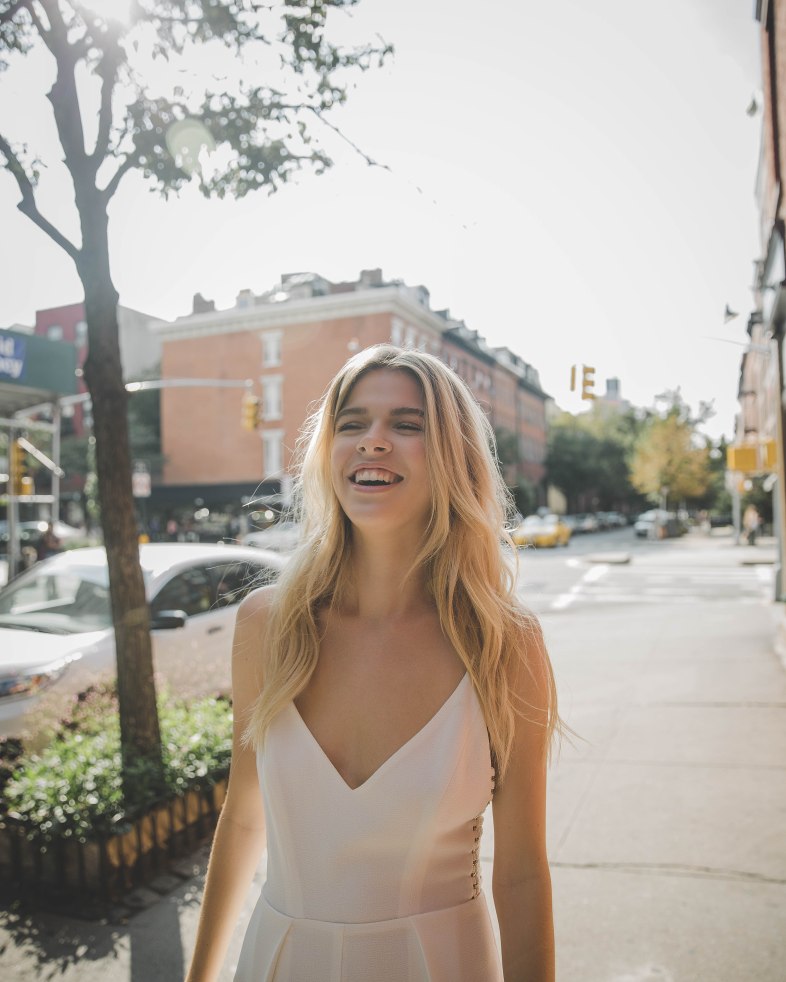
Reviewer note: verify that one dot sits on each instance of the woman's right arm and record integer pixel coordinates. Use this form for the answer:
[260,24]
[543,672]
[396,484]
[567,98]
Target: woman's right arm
[240,834]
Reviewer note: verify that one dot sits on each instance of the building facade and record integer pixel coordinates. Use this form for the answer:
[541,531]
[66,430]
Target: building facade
[140,348]
[759,434]
[288,343]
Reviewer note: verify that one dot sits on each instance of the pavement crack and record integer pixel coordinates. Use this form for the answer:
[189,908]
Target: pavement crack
[677,869]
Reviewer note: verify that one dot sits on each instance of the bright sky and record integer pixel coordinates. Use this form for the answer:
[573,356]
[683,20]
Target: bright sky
[574,180]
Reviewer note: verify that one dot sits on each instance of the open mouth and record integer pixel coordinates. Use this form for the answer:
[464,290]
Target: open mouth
[372,477]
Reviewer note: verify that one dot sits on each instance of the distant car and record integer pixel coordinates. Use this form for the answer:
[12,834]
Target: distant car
[281,537]
[586,523]
[541,530]
[56,635]
[658,524]
[31,532]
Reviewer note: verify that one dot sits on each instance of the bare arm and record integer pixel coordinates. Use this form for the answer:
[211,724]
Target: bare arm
[521,882]
[240,834]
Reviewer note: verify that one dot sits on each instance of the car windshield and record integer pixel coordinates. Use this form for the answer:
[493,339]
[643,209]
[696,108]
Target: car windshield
[58,600]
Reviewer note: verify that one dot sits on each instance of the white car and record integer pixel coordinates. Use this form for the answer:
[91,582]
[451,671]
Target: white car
[56,635]
[281,537]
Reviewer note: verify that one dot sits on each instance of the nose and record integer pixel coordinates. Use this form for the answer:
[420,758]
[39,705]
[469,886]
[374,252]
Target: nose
[373,443]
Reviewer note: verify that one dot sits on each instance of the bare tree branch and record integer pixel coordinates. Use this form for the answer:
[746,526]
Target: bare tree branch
[132,160]
[108,72]
[28,206]
[369,160]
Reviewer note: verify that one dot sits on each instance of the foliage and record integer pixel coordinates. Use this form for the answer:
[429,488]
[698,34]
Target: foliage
[525,494]
[666,460]
[75,786]
[588,459]
[275,75]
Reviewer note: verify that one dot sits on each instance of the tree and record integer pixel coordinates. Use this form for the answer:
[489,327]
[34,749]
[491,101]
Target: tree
[588,459]
[668,461]
[263,136]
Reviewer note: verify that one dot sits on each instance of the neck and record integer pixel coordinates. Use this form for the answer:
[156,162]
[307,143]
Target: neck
[381,588]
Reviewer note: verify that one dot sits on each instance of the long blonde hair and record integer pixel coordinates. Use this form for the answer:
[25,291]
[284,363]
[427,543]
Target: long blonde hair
[463,556]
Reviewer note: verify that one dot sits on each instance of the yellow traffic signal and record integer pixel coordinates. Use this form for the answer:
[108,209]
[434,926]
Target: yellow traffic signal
[17,468]
[744,459]
[587,382]
[249,412]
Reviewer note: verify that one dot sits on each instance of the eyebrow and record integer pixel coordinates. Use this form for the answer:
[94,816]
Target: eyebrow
[362,411]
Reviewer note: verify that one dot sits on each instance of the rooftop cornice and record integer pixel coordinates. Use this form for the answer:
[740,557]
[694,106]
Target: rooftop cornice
[261,317]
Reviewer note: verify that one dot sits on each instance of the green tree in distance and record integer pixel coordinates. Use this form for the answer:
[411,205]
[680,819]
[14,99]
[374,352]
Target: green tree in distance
[670,459]
[126,97]
[588,458]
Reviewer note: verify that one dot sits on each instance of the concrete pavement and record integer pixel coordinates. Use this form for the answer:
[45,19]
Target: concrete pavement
[667,818]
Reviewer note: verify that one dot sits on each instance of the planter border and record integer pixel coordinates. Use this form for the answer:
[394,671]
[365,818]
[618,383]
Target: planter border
[87,877]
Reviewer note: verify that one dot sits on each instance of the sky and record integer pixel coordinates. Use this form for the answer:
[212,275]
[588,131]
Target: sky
[573,180]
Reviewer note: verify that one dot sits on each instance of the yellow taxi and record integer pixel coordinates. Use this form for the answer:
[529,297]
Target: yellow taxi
[542,531]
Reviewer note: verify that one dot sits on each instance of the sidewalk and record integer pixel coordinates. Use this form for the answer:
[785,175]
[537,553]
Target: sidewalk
[666,820]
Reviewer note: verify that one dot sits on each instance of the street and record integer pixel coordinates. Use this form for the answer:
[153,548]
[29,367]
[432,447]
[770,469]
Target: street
[666,810]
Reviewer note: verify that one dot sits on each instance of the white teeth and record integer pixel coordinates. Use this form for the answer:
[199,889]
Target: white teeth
[374,475]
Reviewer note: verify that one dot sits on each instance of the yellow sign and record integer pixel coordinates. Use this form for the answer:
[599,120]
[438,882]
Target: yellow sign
[752,458]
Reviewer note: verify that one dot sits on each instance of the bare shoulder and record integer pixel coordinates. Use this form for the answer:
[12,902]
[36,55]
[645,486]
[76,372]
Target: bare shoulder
[529,672]
[254,611]
[248,650]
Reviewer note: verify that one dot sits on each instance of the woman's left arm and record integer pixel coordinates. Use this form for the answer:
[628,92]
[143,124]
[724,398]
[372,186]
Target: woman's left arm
[521,882]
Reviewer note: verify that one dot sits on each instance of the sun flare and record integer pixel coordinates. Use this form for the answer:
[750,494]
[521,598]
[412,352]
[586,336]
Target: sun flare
[111,10]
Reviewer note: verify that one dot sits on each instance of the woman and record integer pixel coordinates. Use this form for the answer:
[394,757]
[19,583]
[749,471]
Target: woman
[378,689]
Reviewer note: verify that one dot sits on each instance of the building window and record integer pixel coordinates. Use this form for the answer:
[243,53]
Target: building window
[396,332]
[81,333]
[410,338]
[271,396]
[271,450]
[271,349]
[54,332]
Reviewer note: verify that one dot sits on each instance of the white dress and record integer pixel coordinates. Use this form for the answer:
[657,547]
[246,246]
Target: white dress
[380,883]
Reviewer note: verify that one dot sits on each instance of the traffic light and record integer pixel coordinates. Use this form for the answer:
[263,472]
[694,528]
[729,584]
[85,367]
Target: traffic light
[249,412]
[587,382]
[19,479]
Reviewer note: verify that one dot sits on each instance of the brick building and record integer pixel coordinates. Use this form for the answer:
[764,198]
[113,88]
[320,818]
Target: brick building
[140,349]
[289,342]
[760,421]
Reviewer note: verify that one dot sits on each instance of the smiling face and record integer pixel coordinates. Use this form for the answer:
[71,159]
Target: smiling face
[378,456]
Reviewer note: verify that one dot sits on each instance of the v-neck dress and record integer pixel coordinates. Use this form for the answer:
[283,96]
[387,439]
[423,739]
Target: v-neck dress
[380,883]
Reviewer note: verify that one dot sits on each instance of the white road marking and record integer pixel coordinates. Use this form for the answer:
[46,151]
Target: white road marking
[566,599]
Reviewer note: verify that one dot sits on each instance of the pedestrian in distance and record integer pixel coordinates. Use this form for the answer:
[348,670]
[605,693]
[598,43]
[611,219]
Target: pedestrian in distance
[385,690]
[751,521]
[49,543]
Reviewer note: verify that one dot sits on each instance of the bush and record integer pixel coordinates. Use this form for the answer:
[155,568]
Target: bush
[74,786]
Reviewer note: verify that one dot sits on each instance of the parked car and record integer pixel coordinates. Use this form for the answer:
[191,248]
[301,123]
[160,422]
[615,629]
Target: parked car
[658,524]
[281,537]
[31,532]
[545,530]
[586,523]
[56,635]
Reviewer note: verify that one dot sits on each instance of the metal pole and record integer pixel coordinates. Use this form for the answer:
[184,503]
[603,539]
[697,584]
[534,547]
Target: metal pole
[56,420]
[14,478]
[779,496]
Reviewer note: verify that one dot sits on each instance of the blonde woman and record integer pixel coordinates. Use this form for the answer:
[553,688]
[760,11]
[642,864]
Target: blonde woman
[381,689]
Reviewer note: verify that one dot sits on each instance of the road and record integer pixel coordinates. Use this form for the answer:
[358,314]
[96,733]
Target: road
[666,811]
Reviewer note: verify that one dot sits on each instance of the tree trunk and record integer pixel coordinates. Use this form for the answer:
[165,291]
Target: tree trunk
[139,728]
